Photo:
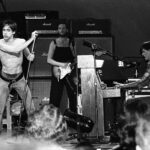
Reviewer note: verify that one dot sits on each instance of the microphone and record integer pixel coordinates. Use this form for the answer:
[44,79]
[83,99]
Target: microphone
[93,46]
[87,43]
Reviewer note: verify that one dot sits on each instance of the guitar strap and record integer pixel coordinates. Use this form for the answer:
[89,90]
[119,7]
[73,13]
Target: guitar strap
[54,41]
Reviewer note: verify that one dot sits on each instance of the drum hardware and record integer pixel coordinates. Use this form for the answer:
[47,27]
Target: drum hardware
[82,124]
[18,113]
[16,108]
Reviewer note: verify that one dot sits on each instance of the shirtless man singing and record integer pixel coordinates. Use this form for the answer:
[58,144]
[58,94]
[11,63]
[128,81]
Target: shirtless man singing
[11,74]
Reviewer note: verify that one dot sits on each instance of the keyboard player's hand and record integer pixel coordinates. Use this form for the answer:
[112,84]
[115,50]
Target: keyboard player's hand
[118,85]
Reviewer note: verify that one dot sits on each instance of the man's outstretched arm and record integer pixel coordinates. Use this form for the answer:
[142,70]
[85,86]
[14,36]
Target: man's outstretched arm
[19,47]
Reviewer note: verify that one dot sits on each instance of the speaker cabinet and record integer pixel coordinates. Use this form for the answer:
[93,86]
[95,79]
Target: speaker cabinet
[40,90]
[40,67]
[45,27]
[106,43]
[91,27]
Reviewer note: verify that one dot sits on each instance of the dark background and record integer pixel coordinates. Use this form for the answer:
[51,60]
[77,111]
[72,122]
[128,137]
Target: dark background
[130,23]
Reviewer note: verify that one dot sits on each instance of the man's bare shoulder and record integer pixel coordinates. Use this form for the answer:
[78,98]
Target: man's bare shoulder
[16,41]
[1,40]
[19,40]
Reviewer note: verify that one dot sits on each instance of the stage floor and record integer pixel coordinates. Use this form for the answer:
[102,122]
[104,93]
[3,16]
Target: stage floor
[21,142]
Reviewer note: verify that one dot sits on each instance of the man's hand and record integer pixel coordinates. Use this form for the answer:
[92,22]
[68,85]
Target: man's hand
[34,34]
[119,85]
[31,57]
[65,65]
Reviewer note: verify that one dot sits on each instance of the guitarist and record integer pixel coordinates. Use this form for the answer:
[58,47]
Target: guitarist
[61,54]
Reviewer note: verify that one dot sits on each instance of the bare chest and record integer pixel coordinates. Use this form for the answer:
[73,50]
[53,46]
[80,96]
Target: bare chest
[62,42]
[10,58]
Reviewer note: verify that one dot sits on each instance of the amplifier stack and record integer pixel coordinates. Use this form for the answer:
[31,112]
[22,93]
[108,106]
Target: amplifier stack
[97,31]
[91,27]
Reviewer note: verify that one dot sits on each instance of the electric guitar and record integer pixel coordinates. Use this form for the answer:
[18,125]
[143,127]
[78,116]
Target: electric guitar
[60,72]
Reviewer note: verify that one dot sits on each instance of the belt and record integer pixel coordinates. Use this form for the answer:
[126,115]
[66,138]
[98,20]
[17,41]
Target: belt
[12,80]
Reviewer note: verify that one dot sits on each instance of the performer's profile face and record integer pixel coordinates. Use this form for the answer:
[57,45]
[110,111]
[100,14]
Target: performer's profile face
[7,32]
[62,29]
[146,54]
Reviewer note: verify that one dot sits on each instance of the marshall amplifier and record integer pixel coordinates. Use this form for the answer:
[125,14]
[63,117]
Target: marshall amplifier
[43,26]
[91,27]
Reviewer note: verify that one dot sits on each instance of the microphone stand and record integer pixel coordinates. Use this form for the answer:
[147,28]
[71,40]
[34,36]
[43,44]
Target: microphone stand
[95,48]
[117,58]
[26,79]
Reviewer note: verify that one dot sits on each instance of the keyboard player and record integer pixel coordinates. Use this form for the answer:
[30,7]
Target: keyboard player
[145,79]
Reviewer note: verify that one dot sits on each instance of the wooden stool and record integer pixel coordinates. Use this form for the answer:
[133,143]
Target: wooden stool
[8,120]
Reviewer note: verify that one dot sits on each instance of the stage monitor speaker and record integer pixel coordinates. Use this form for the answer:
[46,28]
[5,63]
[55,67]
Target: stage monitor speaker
[40,67]
[40,90]
[105,43]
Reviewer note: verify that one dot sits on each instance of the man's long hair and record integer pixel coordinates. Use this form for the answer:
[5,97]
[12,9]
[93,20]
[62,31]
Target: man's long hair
[145,45]
[12,24]
[47,124]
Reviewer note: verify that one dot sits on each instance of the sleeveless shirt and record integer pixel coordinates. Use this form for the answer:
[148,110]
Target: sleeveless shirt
[63,54]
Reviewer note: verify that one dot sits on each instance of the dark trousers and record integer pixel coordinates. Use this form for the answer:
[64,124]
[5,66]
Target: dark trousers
[57,91]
